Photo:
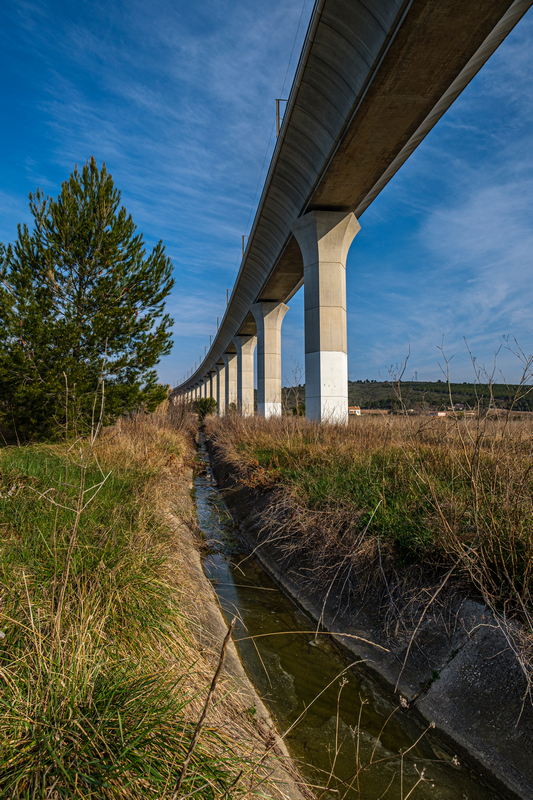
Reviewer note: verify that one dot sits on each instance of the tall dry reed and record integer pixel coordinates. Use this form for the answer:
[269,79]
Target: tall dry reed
[402,497]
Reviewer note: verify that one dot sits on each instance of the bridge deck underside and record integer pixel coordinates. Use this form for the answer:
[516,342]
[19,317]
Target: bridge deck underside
[373,79]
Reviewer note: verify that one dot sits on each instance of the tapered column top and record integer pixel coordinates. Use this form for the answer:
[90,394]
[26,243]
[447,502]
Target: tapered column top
[268,313]
[325,235]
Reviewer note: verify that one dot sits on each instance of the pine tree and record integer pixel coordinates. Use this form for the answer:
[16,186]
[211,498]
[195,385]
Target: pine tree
[81,307]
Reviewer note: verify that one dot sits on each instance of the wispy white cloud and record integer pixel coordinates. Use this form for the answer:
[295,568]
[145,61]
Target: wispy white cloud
[452,236]
[179,100]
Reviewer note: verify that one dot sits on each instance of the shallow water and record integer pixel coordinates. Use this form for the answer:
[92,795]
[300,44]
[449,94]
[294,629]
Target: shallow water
[336,721]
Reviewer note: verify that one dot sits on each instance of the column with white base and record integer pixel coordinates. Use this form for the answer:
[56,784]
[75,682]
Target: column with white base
[213,380]
[325,238]
[221,388]
[230,363]
[245,345]
[268,318]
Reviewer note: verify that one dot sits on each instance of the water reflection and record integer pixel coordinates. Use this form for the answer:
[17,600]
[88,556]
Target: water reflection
[346,733]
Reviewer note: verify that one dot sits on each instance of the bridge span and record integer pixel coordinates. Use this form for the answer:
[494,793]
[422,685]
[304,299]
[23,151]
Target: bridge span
[373,79]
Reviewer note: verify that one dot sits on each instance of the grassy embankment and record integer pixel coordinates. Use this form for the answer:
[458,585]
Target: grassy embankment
[102,680]
[401,502]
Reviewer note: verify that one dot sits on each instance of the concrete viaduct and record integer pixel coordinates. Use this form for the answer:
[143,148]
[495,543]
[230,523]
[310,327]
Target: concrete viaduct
[373,79]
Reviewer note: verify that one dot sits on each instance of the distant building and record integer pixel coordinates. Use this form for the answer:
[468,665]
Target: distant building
[354,410]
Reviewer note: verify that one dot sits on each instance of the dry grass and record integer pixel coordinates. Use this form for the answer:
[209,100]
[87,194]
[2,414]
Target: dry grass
[399,501]
[102,677]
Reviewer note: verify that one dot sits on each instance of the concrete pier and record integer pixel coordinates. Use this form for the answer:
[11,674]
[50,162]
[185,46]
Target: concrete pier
[221,387]
[213,381]
[230,363]
[245,345]
[268,318]
[325,238]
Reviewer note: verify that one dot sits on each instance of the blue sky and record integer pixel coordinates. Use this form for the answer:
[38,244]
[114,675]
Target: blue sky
[179,99]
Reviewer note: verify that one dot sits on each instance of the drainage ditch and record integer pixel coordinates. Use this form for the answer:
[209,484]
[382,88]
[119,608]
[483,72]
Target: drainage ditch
[348,736]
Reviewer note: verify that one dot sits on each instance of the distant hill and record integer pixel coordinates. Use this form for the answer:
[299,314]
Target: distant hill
[430,395]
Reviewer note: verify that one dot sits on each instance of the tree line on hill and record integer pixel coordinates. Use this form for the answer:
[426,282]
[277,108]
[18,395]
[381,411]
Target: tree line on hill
[425,396]
[439,395]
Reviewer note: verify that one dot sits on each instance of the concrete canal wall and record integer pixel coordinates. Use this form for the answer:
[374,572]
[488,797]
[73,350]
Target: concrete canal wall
[457,669]
[272,756]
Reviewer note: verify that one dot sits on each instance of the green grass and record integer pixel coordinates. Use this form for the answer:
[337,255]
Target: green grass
[101,677]
[433,492]
[380,487]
